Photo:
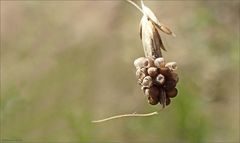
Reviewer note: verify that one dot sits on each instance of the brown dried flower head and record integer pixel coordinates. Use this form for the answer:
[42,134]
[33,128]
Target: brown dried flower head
[156,77]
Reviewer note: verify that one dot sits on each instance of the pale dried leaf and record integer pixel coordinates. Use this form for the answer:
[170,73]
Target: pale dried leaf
[148,12]
[165,29]
[151,39]
[158,38]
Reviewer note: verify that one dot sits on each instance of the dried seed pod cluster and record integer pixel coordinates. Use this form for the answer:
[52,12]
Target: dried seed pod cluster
[157,78]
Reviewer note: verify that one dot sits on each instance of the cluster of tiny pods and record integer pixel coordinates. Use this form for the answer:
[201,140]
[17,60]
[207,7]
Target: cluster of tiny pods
[157,79]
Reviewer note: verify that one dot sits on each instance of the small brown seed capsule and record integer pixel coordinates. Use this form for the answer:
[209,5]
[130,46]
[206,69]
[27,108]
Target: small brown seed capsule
[144,70]
[147,81]
[152,71]
[140,74]
[175,76]
[152,94]
[169,84]
[162,97]
[168,101]
[150,62]
[172,93]
[139,81]
[144,88]
[165,72]
[160,79]
[141,62]
[171,65]
[153,91]
[159,62]
[152,101]
[147,91]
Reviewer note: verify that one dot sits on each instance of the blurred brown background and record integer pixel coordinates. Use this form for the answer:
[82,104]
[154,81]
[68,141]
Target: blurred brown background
[65,63]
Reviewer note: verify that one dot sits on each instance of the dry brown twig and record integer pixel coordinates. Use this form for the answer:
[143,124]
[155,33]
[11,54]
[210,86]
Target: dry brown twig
[125,115]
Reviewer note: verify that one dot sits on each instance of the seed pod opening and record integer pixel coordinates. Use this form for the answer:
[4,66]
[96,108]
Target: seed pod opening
[160,79]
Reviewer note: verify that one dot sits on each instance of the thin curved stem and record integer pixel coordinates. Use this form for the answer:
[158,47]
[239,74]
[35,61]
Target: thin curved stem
[135,5]
[125,115]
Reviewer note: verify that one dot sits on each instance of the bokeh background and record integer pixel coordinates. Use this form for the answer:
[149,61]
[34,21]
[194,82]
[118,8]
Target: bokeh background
[65,63]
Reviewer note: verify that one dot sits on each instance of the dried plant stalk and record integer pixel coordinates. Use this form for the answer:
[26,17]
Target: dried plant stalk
[125,115]
[159,82]
[151,39]
[152,45]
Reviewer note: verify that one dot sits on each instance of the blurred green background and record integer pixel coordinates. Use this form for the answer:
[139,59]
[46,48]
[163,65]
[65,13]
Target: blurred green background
[65,63]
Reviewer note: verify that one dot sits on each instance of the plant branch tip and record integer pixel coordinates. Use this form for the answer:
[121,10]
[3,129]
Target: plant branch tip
[134,4]
[125,115]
